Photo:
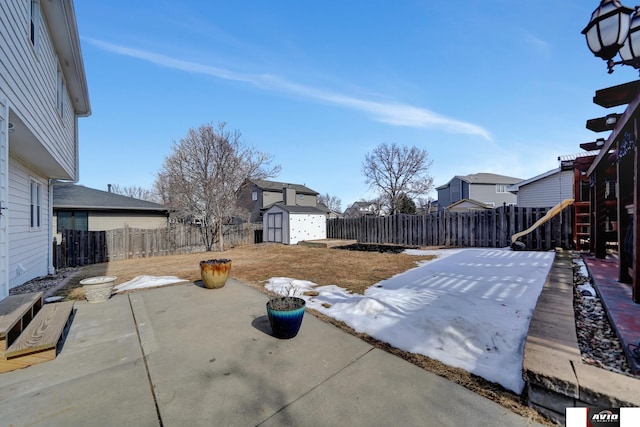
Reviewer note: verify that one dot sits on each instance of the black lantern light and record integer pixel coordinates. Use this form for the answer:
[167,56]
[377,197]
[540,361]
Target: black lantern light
[608,29]
[630,51]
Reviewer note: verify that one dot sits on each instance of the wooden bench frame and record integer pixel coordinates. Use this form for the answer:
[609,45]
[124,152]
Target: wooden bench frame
[38,342]
[16,311]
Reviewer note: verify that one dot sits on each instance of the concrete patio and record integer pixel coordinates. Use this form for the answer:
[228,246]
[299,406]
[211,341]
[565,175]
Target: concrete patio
[185,355]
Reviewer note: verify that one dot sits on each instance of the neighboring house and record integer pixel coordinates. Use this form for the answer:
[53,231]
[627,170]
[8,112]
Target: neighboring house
[330,214]
[359,209]
[43,91]
[257,195]
[76,207]
[544,190]
[467,205]
[569,181]
[485,188]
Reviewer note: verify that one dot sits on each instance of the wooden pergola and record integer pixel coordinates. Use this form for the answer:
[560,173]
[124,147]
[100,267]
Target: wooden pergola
[619,156]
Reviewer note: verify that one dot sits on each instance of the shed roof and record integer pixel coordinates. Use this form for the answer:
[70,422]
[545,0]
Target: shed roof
[298,209]
[72,196]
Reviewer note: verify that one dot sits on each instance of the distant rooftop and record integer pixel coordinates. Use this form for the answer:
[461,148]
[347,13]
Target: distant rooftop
[278,186]
[73,196]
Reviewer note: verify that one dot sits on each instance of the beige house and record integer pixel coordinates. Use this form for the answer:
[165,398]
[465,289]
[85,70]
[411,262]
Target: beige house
[467,205]
[258,195]
[76,207]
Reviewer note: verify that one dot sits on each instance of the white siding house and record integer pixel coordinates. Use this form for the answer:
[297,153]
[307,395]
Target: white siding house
[544,190]
[43,91]
[291,224]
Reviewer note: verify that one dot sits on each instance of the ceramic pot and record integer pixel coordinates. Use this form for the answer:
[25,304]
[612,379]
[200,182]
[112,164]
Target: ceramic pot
[214,272]
[285,316]
[98,289]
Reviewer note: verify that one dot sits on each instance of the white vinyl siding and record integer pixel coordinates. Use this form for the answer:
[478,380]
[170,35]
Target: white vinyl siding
[28,247]
[547,191]
[30,82]
[307,227]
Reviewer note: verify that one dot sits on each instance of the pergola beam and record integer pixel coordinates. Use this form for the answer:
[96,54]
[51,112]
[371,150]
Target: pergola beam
[617,95]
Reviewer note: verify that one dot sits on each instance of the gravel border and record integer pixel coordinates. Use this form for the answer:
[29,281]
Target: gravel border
[598,342]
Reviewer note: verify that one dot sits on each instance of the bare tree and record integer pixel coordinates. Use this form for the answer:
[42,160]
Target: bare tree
[134,191]
[201,178]
[425,205]
[397,172]
[332,202]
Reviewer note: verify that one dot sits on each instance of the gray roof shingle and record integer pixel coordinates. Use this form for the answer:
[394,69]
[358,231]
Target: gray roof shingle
[278,186]
[72,196]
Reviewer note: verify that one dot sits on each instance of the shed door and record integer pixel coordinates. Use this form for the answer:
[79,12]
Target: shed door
[274,227]
[4,199]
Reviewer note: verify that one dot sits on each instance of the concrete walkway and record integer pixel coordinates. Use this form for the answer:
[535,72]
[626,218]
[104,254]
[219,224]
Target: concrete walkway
[188,356]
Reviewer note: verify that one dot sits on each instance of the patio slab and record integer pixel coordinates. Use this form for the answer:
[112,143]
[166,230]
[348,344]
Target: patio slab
[185,355]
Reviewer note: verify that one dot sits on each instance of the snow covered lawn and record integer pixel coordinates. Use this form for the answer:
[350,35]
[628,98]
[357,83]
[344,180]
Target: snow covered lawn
[469,308]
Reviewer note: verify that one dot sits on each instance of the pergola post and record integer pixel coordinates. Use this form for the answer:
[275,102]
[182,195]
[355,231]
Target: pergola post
[635,259]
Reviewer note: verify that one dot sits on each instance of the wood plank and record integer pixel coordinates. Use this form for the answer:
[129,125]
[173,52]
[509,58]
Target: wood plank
[43,332]
[27,360]
[617,95]
[13,309]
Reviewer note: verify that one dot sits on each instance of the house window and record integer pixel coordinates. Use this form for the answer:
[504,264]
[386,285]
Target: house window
[34,18]
[254,196]
[501,188]
[73,220]
[60,88]
[35,205]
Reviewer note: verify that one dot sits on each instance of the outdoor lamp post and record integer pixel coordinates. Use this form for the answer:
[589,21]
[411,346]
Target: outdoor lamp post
[608,29]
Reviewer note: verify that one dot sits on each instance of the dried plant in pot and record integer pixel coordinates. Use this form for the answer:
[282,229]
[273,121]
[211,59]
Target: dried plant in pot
[214,272]
[285,314]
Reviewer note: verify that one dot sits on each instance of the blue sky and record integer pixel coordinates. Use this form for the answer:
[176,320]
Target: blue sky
[484,86]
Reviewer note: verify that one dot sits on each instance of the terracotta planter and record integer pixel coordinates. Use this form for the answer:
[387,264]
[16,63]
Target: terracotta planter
[214,272]
[285,316]
[98,289]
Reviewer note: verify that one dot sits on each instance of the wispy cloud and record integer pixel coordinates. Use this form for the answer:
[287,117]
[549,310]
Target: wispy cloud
[393,113]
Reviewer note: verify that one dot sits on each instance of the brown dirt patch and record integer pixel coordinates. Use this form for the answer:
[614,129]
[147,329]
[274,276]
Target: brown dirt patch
[351,270]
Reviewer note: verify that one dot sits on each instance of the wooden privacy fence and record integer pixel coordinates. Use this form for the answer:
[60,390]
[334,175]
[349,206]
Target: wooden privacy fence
[91,247]
[486,228]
